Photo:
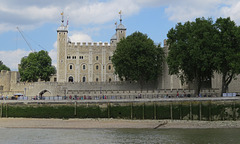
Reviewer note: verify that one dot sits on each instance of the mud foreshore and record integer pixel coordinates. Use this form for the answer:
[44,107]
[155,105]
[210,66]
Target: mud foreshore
[112,123]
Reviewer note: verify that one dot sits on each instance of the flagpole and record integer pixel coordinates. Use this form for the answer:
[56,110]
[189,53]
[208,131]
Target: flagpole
[120,16]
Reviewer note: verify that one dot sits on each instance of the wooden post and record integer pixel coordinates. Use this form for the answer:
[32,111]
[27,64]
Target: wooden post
[190,115]
[6,110]
[155,111]
[234,112]
[180,111]
[75,109]
[143,110]
[200,111]
[1,110]
[223,111]
[131,110]
[209,112]
[108,110]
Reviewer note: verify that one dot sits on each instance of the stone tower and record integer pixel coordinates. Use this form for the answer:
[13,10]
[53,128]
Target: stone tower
[120,32]
[62,38]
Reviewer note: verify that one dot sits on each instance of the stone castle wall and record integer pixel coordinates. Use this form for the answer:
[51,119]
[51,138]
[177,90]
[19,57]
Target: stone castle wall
[90,62]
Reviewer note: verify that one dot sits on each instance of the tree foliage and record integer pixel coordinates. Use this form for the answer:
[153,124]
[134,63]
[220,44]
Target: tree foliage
[191,49]
[228,50]
[200,48]
[3,67]
[38,65]
[136,58]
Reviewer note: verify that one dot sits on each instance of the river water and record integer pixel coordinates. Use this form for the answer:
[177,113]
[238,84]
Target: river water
[116,136]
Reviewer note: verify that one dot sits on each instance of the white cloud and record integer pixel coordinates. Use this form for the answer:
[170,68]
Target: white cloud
[232,10]
[53,54]
[188,10]
[181,11]
[80,37]
[12,58]
[31,14]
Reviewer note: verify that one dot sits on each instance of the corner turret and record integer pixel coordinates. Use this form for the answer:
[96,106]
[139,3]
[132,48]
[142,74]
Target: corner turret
[120,31]
[62,40]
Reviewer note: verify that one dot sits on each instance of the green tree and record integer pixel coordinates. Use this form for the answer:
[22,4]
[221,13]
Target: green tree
[38,65]
[3,67]
[136,58]
[228,50]
[191,49]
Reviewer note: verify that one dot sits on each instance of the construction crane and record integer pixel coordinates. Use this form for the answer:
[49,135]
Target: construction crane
[25,39]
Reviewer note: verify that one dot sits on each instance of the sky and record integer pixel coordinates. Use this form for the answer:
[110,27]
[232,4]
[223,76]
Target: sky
[94,21]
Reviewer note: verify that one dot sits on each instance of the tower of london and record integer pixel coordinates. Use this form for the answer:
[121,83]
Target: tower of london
[86,62]
[86,68]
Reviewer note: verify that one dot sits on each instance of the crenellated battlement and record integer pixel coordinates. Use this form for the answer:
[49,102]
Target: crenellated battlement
[5,72]
[89,44]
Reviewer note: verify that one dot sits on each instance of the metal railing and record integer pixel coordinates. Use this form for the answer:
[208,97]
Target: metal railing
[109,96]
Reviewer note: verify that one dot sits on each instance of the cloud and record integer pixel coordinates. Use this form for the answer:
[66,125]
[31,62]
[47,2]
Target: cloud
[80,37]
[181,11]
[53,54]
[32,14]
[232,10]
[12,58]
[188,10]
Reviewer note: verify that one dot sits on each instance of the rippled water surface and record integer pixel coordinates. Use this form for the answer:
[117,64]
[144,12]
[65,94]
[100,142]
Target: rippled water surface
[122,136]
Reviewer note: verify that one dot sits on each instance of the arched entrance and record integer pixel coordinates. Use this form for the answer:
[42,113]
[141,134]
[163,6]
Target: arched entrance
[70,79]
[44,93]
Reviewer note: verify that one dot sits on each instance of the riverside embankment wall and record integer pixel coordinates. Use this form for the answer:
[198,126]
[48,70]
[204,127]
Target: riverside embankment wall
[183,109]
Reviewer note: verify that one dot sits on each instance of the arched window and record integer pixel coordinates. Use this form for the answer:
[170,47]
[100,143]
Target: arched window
[84,79]
[96,57]
[84,67]
[96,67]
[70,67]
[109,67]
[96,79]
[70,79]
[109,79]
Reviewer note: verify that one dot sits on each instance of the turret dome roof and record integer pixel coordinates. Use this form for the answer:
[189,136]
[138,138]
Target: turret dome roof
[114,37]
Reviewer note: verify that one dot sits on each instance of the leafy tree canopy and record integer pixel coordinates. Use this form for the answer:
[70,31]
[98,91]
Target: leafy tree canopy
[199,48]
[136,58]
[228,50]
[3,67]
[38,65]
[191,49]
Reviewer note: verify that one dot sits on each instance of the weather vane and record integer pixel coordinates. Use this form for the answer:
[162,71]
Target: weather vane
[62,17]
[120,13]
